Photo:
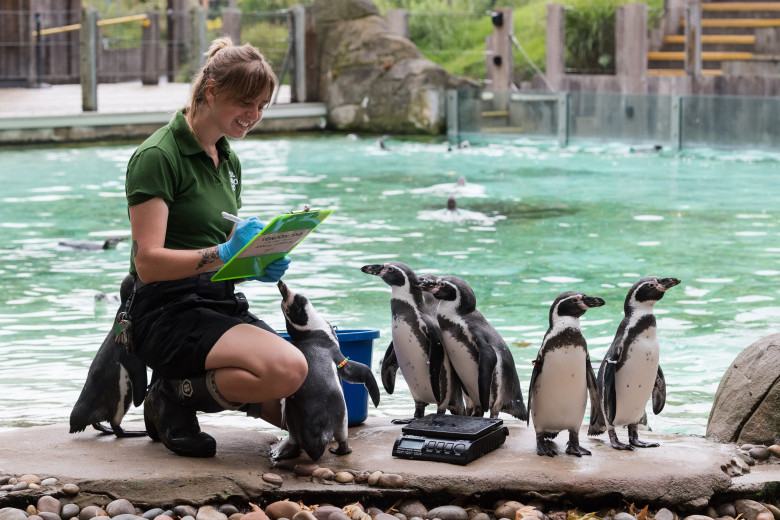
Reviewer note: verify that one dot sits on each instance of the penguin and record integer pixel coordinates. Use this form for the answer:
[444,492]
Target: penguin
[416,345]
[629,374]
[563,378]
[479,354]
[317,412]
[115,378]
[109,243]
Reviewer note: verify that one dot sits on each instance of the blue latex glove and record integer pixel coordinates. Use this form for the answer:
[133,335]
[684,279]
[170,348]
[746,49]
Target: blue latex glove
[244,232]
[274,271]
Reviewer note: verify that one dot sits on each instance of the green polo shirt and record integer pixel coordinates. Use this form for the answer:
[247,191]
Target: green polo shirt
[172,165]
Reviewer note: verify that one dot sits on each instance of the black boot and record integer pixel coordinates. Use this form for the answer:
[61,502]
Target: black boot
[170,413]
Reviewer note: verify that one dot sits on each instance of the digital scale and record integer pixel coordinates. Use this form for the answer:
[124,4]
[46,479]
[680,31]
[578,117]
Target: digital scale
[457,439]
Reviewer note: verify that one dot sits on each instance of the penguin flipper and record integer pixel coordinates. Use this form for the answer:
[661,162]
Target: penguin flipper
[435,359]
[486,368]
[354,372]
[534,374]
[593,390]
[609,400]
[389,369]
[659,392]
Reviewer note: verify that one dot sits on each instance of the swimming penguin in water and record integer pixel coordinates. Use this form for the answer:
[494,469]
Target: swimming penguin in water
[563,378]
[109,243]
[479,354]
[416,345]
[115,379]
[630,374]
[317,413]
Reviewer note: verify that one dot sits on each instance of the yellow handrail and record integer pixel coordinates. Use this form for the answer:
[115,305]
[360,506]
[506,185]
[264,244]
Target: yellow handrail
[111,21]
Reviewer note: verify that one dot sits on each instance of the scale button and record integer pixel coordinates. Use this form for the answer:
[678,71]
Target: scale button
[440,445]
[448,447]
[431,445]
[460,448]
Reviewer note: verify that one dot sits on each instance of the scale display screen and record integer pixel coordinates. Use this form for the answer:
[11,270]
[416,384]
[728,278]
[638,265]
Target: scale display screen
[411,443]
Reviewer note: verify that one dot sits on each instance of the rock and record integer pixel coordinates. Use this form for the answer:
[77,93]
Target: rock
[373,80]
[739,463]
[400,516]
[164,517]
[448,513]
[51,481]
[361,476]
[34,517]
[70,489]
[210,513]
[765,515]
[747,458]
[749,509]
[323,473]
[228,510]
[698,517]
[746,447]
[623,516]
[323,512]
[391,480]
[282,509]
[273,478]
[31,510]
[774,510]
[11,513]
[19,486]
[29,478]
[774,449]
[151,514]
[184,510]
[238,516]
[344,477]
[665,514]
[481,516]
[120,507]
[759,453]
[384,516]
[412,508]
[726,509]
[748,396]
[49,504]
[373,479]
[305,470]
[303,515]
[69,511]
[4,480]
[45,515]
[126,516]
[90,512]
[338,515]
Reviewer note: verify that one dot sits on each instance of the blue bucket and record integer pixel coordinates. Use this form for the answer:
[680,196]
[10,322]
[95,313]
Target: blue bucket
[357,345]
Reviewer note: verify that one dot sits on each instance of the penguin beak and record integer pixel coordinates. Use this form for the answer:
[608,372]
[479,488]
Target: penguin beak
[592,301]
[668,283]
[372,269]
[283,290]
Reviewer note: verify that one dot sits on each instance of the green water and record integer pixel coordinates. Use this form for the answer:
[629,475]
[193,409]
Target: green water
[534,221]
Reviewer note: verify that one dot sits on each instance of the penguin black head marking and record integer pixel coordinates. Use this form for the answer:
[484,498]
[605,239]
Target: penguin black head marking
[648,290]
[573,304]
[111,242]
[454,289]
[392,273]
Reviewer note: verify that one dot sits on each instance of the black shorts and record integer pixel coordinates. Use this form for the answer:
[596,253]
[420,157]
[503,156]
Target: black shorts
[175,324]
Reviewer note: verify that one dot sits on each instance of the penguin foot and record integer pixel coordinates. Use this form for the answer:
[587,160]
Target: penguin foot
[543,447]
[642,444]
[577,451]
[613,440]
[342,449]
[117,430]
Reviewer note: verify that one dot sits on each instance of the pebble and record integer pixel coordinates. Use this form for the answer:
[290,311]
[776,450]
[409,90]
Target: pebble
[273,478]
[209,513]
[412,508]
[749,509]
[11,513]
[48,516]
[323,512]
[760,453]
[665,514]
[391,480]
[120,507]
[774,510]
[125,516]
[624,516]
[747,458]
[69,511]
[19,486]
[448,513]
[163,517]
[303,515]
[373,479]
[282,509]
[228,509]
[184,510]
[384,516]
[507,509]
[766,515]
[338,516]
[49,504]
[305,470]
[324,474]
[153,513]
[71,489]
[698,517]
[31,510]
[90,512]
[29,478]
[774,449]
[344,477]
[51,481]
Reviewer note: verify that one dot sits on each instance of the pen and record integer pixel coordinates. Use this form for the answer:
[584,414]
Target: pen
[232,218]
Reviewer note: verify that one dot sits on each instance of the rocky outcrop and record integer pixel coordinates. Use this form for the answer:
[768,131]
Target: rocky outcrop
[746,408]
[374,80]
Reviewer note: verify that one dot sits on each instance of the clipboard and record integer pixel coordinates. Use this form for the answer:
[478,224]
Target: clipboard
[275,241]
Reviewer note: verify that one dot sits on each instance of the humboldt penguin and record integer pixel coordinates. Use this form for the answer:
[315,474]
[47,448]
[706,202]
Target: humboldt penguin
[416,344]
[479,354]
[109,243]
[317,412]
[563,378]
[630,374]
[115,379]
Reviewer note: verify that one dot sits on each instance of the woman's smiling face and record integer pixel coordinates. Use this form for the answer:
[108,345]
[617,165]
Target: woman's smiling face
[235,117]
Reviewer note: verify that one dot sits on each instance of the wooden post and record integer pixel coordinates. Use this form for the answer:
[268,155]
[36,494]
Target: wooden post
[693,40]
[556,44]
[298,78]
[502,62]
[198,45]
[231,23]
[150,50]
[398,19]
[88,59]
[631,48]
[311,51]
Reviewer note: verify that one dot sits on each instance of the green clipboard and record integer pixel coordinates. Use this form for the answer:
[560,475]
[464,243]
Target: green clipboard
[275,241]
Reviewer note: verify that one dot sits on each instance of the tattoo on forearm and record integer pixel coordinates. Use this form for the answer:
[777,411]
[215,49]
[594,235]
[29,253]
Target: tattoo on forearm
[135,248]
[207,256]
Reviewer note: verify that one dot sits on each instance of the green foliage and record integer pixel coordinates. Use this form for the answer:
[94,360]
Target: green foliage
[590,39]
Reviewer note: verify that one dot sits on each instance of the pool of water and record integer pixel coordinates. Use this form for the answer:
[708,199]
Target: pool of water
[534,221]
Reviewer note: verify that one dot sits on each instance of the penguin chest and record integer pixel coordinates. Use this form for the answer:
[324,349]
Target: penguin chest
[634,380]
[560,391]
[413,359]
[464,359]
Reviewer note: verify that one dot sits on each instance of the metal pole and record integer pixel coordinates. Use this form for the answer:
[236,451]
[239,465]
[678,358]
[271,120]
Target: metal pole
[38,54]
[299,35]
[88,59]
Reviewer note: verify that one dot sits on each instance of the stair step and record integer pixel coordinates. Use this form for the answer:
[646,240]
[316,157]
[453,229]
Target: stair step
[740,39]
[740,6]
[680,72]
[737,22]
[705,56]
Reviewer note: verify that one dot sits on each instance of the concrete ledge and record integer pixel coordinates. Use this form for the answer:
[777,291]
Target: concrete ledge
[684,471]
